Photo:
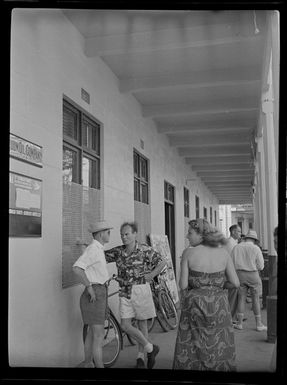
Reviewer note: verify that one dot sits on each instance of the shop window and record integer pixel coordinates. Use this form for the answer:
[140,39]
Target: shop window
[205,213]
[141,178]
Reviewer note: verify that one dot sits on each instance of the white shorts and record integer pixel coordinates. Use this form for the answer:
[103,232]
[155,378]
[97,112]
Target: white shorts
[140,306]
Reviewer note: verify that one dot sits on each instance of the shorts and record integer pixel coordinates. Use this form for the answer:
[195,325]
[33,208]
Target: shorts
[249,280]
[94,313]
[140,306]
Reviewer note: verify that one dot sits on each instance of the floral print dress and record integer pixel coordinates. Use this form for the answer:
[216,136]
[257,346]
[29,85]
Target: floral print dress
[205,339]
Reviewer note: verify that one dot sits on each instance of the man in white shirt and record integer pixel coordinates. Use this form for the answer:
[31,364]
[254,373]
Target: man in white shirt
[235,233]
[91,268]
[248,260]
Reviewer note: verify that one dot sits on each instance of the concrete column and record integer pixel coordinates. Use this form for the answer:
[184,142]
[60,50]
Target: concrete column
[270,169]
[256,202]
[262,193]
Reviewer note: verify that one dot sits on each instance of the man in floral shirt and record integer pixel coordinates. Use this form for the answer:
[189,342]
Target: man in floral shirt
[137,265]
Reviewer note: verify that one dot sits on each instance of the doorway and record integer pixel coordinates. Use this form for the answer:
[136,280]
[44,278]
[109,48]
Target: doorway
[169,209]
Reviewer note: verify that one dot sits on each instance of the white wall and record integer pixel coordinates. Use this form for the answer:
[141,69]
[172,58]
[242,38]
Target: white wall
[47,62]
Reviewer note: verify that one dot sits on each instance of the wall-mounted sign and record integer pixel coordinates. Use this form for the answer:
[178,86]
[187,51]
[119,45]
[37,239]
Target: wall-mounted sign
[25,208]
[25,150]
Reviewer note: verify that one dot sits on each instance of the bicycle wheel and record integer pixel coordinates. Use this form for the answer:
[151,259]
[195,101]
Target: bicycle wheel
[113,341]
[167,309]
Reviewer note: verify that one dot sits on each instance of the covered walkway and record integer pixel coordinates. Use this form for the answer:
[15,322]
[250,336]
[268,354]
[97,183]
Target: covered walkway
[253,352]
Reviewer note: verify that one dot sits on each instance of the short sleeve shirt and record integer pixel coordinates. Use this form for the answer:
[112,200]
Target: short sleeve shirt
[247,256]
[132,267]
[94,263]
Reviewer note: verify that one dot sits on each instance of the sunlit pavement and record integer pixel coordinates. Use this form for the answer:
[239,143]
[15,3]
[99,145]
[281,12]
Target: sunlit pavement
[253,352]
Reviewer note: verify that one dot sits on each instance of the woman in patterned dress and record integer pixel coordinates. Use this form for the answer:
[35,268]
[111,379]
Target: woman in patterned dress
[205,339]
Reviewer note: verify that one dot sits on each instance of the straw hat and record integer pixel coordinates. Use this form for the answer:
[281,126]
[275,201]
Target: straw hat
[99,226]
[251,234]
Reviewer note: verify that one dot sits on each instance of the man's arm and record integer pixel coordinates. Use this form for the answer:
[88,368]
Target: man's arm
[149,276]
[158,262]
[112,254]
[259,260]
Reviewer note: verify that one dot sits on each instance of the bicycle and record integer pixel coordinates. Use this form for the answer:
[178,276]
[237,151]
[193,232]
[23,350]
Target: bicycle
[165,308]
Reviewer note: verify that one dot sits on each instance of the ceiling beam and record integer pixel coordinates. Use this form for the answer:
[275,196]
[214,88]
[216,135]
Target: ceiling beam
[227,183]
[207,127]
[208,139]
[234,202]
[196,79]
[218,159]
[223,175]
[219,151]
[222,167]
[206,108]
[165,39]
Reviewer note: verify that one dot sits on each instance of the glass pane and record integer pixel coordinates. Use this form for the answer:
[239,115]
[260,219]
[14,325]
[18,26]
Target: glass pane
[165,190]
[136,165]
[70,165]
[95,173]
[136,190]
[95,138]
[86,172]
[85,135]
[70,123]
[143,164]
[144,193]
[90,172]
[170,193]
[91,137]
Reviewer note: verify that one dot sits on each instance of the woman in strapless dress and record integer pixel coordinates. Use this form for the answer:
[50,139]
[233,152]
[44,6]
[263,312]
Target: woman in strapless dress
[205,338]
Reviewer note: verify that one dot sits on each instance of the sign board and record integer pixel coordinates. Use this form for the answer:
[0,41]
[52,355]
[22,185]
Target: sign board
[161,245]
[25,211]
[25,150]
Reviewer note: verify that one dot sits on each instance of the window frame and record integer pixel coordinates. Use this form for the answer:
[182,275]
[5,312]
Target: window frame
[77,145]
[139,179]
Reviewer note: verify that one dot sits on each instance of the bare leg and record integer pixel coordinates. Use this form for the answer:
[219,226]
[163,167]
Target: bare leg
[241,306]
[88,346]
[142,324]
[98,336]
[256,307]
[134,332]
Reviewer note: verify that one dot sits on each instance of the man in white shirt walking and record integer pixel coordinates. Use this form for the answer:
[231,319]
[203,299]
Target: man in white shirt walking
[248,260]
[91,268]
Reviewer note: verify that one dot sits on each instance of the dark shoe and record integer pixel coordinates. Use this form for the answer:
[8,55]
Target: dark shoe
[151,357]
[140,363]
